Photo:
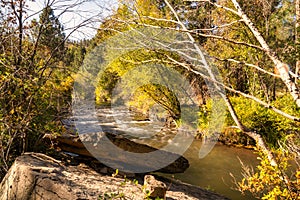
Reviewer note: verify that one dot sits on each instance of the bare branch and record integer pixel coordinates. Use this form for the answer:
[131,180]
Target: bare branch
[267,105]
[215,4]
[195,32]
[280,66]
[297,35]
[160,19]
[220,26]
[249,65]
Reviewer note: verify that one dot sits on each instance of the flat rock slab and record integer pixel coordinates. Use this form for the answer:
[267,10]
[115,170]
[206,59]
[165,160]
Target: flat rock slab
[122,153]
[36,176]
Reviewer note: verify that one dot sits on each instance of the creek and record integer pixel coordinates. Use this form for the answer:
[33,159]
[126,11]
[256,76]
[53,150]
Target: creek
[212,172]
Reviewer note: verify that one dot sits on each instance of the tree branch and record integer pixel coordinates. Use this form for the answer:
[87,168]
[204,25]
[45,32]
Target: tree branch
[249,65]
[195,32]
[267,105]
[259,140]
[297,36]
[281,67]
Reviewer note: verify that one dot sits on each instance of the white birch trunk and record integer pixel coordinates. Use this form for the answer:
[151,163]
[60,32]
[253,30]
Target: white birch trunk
[281,67]
[258,138]
[297,35]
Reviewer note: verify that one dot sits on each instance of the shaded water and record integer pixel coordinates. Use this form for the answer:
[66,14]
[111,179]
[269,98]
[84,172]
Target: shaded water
[212,172]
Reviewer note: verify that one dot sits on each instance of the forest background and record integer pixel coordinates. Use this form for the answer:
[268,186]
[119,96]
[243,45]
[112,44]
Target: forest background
[255,45]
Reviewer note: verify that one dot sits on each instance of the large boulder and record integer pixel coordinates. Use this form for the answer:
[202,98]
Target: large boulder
[35,176]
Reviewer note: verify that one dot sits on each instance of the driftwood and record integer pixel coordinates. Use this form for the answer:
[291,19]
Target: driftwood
[74,144]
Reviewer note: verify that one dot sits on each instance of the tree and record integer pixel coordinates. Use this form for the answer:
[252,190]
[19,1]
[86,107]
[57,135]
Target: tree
[136,15]
[35,82]
[250,42]
[50,33]
[297,35]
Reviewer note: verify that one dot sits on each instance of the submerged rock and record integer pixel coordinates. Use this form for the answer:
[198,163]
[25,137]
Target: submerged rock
[38,176]
[146,162]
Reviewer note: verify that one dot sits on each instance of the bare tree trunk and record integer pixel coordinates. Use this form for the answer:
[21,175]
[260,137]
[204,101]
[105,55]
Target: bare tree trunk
[297,36]
[20,21]
[260,142]
[281,67]
[18,12]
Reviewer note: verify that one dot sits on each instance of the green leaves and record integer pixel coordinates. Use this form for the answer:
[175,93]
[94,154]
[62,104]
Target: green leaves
[50,32]
[36,89]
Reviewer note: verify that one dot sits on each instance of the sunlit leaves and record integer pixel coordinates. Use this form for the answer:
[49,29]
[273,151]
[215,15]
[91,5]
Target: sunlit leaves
[35,85]
[268,181]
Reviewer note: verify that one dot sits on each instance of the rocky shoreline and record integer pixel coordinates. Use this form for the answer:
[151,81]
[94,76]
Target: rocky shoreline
[38,176]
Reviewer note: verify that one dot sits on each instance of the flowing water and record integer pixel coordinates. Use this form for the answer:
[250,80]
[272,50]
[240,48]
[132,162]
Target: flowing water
[212,172]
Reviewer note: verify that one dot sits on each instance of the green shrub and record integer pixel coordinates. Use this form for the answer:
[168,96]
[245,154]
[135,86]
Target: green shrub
[256,117]
[268,182]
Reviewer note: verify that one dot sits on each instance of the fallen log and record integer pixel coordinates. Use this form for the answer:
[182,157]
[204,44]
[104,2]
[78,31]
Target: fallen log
[142,161]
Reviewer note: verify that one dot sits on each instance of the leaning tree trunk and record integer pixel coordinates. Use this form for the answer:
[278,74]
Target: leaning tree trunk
[280,66]
[297,36]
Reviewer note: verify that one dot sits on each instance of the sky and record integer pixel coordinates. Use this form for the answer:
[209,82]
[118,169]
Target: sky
[73,13]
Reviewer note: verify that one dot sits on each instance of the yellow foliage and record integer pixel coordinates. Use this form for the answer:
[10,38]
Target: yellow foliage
[268,182]
[141,101]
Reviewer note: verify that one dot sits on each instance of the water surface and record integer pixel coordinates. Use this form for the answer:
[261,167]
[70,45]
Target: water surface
[212,172]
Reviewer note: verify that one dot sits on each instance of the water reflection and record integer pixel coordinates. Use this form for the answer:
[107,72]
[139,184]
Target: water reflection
[212,172]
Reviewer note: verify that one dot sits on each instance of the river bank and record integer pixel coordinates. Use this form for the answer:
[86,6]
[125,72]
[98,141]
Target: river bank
[38,176]
[212,172]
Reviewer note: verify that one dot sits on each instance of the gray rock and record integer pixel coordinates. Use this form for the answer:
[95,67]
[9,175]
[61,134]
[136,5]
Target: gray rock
[35,176]
[154,188]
